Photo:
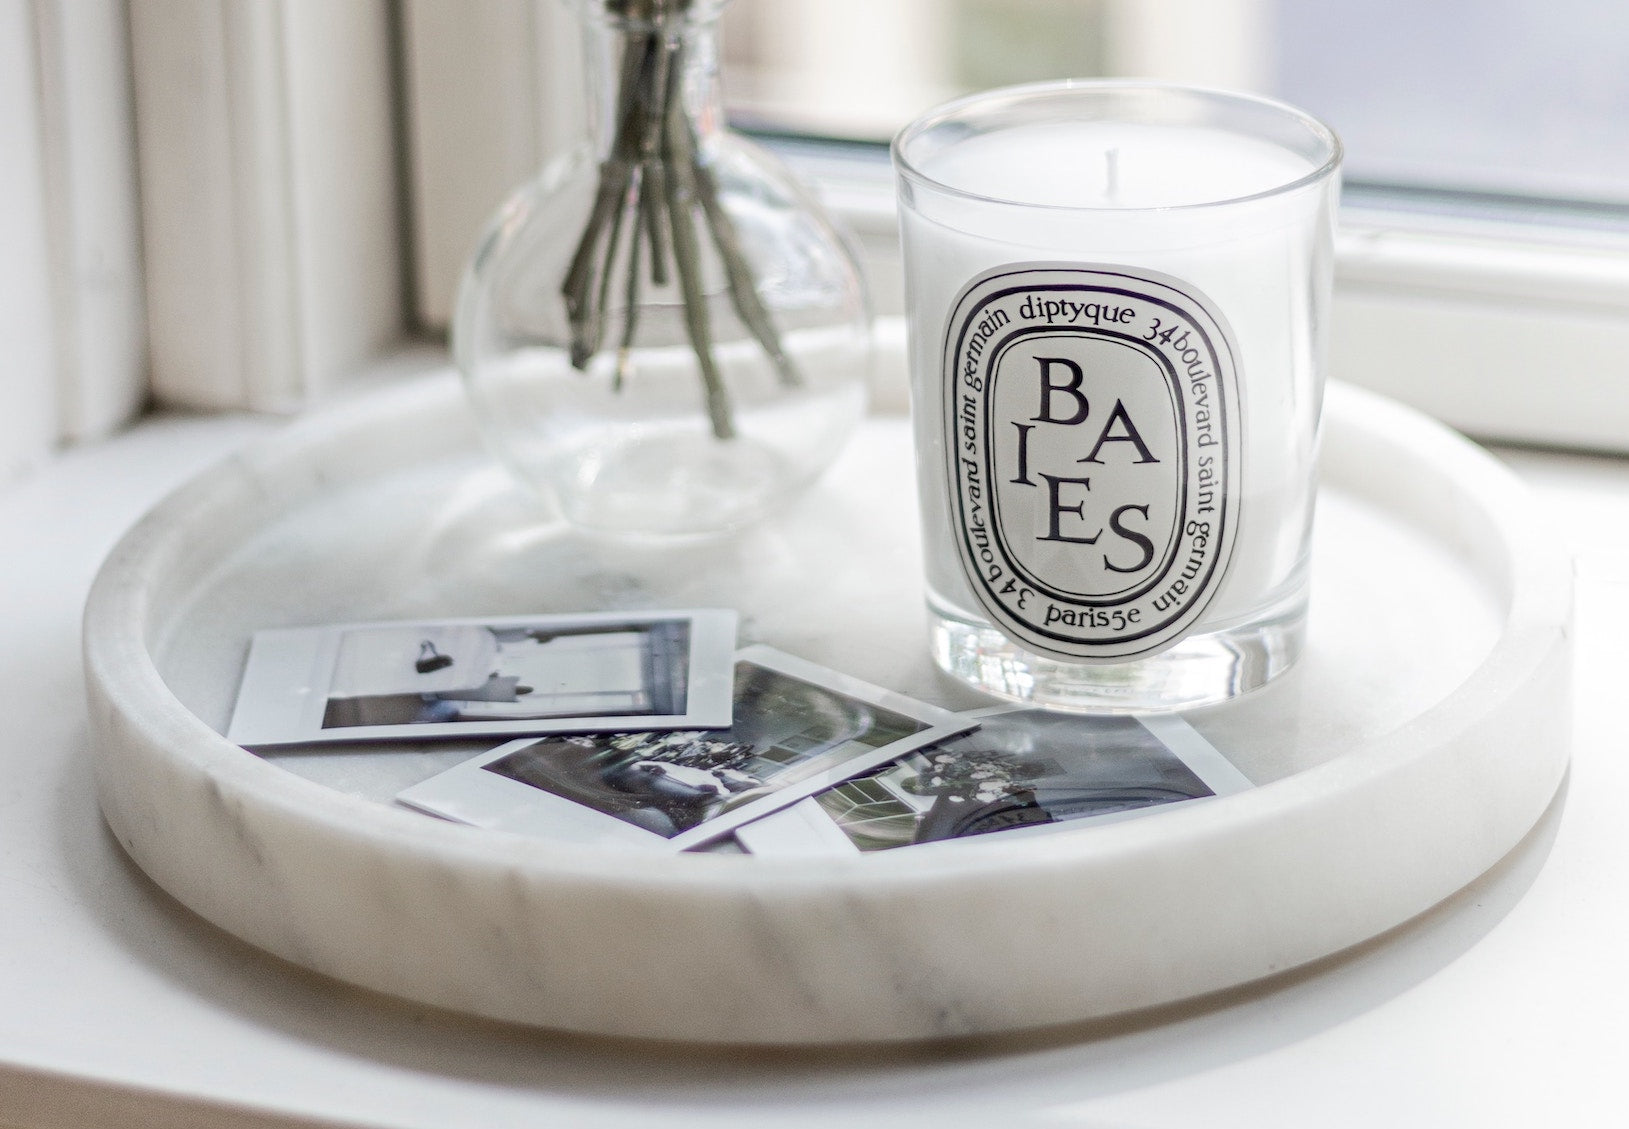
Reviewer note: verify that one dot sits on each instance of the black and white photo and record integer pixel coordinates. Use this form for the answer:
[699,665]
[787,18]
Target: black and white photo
[1021,771]
[798,729]
[487,677]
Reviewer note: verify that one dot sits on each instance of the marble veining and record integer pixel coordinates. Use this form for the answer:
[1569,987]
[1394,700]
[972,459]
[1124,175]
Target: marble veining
[1394,770]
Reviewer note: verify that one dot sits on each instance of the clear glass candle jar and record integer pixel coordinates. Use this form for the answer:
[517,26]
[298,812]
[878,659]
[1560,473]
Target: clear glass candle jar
[1117,297]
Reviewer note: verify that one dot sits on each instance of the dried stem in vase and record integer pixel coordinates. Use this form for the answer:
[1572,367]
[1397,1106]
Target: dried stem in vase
[657,192]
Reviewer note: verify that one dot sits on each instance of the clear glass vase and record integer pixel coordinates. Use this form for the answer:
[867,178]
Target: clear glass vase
[663,331]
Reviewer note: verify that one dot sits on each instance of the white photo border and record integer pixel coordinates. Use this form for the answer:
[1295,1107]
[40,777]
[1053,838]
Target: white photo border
[284,692]
[806,830]
[468,794]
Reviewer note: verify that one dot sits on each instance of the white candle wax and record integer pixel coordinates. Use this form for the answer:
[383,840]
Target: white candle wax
[1116,165]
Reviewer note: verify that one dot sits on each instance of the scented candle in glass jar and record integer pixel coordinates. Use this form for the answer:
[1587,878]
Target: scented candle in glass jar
[1117,295]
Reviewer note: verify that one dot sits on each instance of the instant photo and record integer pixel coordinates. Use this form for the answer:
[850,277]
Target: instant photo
[798,729]
[486,677]
[1022,771]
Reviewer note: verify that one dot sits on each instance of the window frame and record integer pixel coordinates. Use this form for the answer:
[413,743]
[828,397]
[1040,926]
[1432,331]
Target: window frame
[1449,302]
[1502,317]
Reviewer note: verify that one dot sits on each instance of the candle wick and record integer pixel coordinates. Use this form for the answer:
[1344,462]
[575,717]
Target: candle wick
[1111,161]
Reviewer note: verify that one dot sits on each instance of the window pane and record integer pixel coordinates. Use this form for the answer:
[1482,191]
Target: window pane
[1493,96]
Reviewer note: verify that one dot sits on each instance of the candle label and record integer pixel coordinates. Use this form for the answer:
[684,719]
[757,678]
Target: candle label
[1092,428]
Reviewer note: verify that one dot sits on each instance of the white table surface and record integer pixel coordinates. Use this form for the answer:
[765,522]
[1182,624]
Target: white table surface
[1506,1006]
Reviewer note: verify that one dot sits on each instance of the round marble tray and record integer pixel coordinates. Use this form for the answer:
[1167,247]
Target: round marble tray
[1420,737]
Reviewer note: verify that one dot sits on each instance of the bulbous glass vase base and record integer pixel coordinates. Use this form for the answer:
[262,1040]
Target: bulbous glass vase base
[678,483]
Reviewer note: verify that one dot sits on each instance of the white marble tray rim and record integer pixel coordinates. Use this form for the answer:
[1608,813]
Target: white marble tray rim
[172,788]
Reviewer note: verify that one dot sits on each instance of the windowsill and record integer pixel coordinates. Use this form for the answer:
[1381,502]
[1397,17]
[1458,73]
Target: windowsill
[1546,953]
[110,481]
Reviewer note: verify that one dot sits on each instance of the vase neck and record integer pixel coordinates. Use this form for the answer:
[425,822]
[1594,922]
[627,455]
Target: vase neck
[646,51]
